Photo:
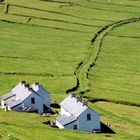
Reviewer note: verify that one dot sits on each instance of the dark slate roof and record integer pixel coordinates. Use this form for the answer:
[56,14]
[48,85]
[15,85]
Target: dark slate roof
[14,103]
[6,96]
[64,120]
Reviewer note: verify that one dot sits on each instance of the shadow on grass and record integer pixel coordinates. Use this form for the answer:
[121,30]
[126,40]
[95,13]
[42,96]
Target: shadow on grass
[55,105]
[106,129]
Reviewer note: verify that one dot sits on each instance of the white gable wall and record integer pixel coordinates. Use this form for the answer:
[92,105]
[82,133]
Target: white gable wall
[89,125]
[43,93]
[38,102]
[2,103]
[59,125]
[45,96]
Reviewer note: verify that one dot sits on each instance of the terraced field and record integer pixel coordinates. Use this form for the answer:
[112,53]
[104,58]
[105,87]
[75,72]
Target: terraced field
[88,47]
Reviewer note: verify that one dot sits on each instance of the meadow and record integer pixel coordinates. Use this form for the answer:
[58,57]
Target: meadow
[88,47]
[16,126]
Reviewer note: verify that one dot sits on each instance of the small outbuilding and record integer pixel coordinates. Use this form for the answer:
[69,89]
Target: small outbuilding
[26,98]
[76,115]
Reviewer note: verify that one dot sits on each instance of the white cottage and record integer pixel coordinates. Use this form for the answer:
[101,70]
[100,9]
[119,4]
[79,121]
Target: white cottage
[76,115]
[26,98]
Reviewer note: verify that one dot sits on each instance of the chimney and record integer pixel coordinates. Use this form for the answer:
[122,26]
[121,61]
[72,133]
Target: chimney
[85,104]
[27,85]
[79,99]
[30,89]
[23,82]
[37,83]
[73,95]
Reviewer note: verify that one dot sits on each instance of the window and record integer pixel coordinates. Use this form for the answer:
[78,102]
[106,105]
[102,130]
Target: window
[88,117]
[33,100]
[75,127]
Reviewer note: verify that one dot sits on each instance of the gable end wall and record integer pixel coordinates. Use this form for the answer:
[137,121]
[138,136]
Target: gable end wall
[89,125]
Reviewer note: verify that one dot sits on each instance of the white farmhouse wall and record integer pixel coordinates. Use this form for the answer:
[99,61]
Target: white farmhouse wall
[16,108]
[71,125]
[8,108]
[43,93]
[59,125]
[38,102]
[2,103]
[89,125]
[47,100]
[45,96]
[64,112]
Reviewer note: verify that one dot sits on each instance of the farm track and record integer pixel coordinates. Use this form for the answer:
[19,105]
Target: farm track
[84,67]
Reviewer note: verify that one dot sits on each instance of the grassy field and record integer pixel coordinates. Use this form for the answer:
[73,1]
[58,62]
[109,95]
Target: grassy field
[124,121]
[116,74]
[84,46]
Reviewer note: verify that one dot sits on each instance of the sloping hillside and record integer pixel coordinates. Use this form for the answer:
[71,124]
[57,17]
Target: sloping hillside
[88,47]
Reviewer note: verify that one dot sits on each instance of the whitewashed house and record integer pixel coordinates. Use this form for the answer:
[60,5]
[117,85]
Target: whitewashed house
[76,115]
[26,98]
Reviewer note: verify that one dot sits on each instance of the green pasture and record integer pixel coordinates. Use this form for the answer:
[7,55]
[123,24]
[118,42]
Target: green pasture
[116,74]
[124,121]
[21,57]
[46,40]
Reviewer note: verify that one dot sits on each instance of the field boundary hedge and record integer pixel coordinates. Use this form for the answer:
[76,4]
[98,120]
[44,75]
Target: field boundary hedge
[93,100]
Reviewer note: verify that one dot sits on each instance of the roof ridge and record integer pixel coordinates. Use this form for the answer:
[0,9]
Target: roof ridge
[73,105]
